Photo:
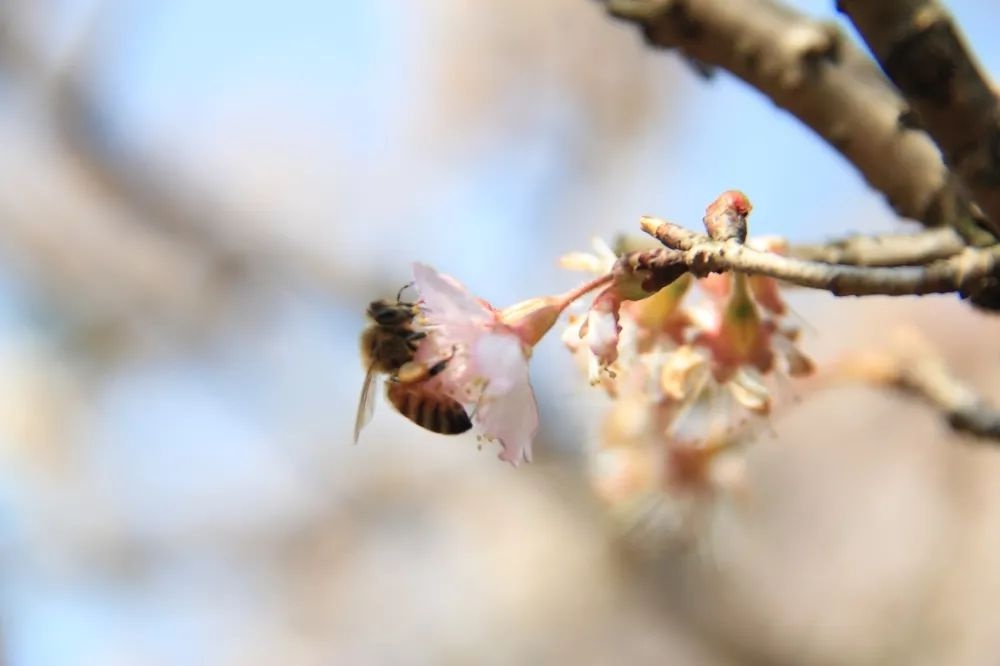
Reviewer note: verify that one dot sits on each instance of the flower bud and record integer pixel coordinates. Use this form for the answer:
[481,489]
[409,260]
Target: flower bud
[726,217]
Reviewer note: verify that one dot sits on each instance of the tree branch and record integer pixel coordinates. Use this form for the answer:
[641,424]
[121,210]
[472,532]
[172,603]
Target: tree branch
[923,374]
[890,250]
[809,69]
[966,273]
[922,51]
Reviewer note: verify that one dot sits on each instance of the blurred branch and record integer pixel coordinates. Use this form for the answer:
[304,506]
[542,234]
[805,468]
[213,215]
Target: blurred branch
[129,228]
[922,51]
[889,250]
[151,191]
[174,204]
[113,280]
[812,71]
[177,210]
[966,273]
[920,372]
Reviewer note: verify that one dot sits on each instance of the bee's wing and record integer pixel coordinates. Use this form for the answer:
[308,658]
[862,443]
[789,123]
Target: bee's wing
[366,406]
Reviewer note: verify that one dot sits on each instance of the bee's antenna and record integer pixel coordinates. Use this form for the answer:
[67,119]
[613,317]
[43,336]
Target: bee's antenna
[399,294]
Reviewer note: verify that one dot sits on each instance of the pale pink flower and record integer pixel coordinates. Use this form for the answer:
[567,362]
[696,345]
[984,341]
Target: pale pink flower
[488,369]
[488,351]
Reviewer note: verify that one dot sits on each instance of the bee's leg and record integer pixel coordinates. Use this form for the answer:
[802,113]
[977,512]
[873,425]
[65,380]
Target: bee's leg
[410,372]
[413,337]
[438,367]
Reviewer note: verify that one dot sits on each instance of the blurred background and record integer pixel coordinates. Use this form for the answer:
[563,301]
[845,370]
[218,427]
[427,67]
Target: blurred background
[197,201]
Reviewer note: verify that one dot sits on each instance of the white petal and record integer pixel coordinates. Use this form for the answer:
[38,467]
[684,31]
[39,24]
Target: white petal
[604,252]
[705,316]
[682,370]
[750,392]
[581,261]
[602,335]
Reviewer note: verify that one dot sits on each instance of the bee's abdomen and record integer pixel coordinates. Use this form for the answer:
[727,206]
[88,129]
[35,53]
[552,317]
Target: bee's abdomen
[453,419]
[436,413]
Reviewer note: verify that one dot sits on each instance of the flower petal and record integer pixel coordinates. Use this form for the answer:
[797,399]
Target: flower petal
[581,261]
[447,301]
[499,359]
[513,419]
[602,327]
[799,365]
[507,410]
[681,371]
[750,392]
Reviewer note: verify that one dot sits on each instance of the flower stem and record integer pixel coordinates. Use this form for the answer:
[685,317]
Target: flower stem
[583,290]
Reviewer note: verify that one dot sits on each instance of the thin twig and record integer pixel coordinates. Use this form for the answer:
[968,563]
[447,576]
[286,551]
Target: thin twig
[922,373]
[964,273]
[811,70]
[889,250]
[922,51]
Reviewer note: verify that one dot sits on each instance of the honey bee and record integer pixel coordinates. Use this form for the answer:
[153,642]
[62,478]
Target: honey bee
[388,346]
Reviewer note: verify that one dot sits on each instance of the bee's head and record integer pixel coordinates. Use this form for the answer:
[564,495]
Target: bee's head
[390,313]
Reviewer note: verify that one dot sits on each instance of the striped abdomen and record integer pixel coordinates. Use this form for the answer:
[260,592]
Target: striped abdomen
[438,413]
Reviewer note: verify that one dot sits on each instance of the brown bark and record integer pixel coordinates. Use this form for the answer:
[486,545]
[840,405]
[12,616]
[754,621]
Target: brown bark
[922,51]
[809,69]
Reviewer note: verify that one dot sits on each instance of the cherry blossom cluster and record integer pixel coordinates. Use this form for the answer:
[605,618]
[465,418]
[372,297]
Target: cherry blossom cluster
[686,367]
[685,360]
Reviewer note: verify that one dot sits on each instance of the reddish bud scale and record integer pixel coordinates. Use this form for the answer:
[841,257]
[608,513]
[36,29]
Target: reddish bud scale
[726,217]
[765,292]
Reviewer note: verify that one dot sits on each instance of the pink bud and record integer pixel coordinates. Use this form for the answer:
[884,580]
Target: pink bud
[726,217]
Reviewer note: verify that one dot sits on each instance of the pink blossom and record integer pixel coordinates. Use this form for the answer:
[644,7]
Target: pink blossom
[489,365]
